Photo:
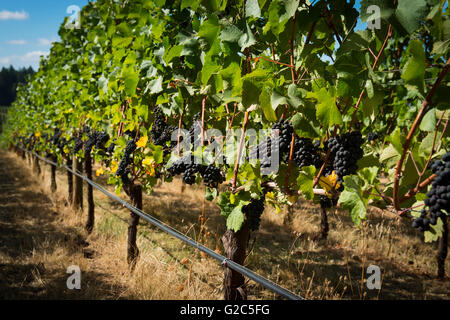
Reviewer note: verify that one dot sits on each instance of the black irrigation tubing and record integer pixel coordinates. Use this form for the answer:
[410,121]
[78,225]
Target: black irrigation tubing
[175,233]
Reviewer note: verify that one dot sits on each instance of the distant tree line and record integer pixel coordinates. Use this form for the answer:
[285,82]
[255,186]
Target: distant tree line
[9,79]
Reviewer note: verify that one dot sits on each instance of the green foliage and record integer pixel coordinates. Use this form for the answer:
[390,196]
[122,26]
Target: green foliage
[127,59]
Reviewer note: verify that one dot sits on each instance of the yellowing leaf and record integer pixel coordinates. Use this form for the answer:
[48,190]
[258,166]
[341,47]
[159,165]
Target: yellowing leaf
[148,162]
[151,172]
[232,198]
[142,142]
[114,166]
[37,134]
[99,172]
[270,195]
[329,183]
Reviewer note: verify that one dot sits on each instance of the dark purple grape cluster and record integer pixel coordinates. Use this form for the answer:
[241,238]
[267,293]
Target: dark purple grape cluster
[305,153]
[186,166]
[123,170]
[55,138]
[58,140]
[438,198]
[372,136]
[161,133]
[90,142]
[345,152]
[212,176]
[253,212]
[111,147]
[102,138]
[285,131]
[78,143]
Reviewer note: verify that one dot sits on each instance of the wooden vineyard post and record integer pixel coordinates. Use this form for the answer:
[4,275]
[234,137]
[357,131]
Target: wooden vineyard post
[69,162]
[90,193]
[77,203]
[132,249]
[53,185]
[442,249]
[235,246]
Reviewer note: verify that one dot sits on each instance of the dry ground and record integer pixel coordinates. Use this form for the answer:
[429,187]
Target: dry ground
[40,237]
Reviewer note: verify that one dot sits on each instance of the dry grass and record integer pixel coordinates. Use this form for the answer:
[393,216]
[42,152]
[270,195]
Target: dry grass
[167,269]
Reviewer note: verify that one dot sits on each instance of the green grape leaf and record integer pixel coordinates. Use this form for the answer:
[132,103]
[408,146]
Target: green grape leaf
[429,121]
[266,104]
[305,181]
[327,112]
[413,71]
[352,199]
[411,13]
[252,9]
[435,232]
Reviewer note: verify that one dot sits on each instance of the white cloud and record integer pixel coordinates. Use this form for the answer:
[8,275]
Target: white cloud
[16,15]
[5,60]
[16,42]
[44,42]
[33,56]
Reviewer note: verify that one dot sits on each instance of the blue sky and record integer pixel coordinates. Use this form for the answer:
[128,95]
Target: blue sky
[29,26]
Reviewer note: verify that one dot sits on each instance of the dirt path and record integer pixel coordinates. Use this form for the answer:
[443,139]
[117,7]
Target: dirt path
[35,247]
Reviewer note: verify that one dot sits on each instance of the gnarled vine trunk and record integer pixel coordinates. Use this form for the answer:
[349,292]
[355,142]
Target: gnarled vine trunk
[69,180]
[235,246]
[77,203]
[135,192]
[442,249]
[53,185]
[90,194]
[324,228]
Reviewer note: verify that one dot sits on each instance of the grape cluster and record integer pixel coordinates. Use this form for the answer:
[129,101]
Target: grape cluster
[253,212]
[345,152]
[161,133]
[212,176]
[78,143]
[285,136]
[58,140]
[111,147]
[102,138]
[305,153]
[438,198]
[187,167]
[90,143]
[372,136]
[123,170]
[55,138]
